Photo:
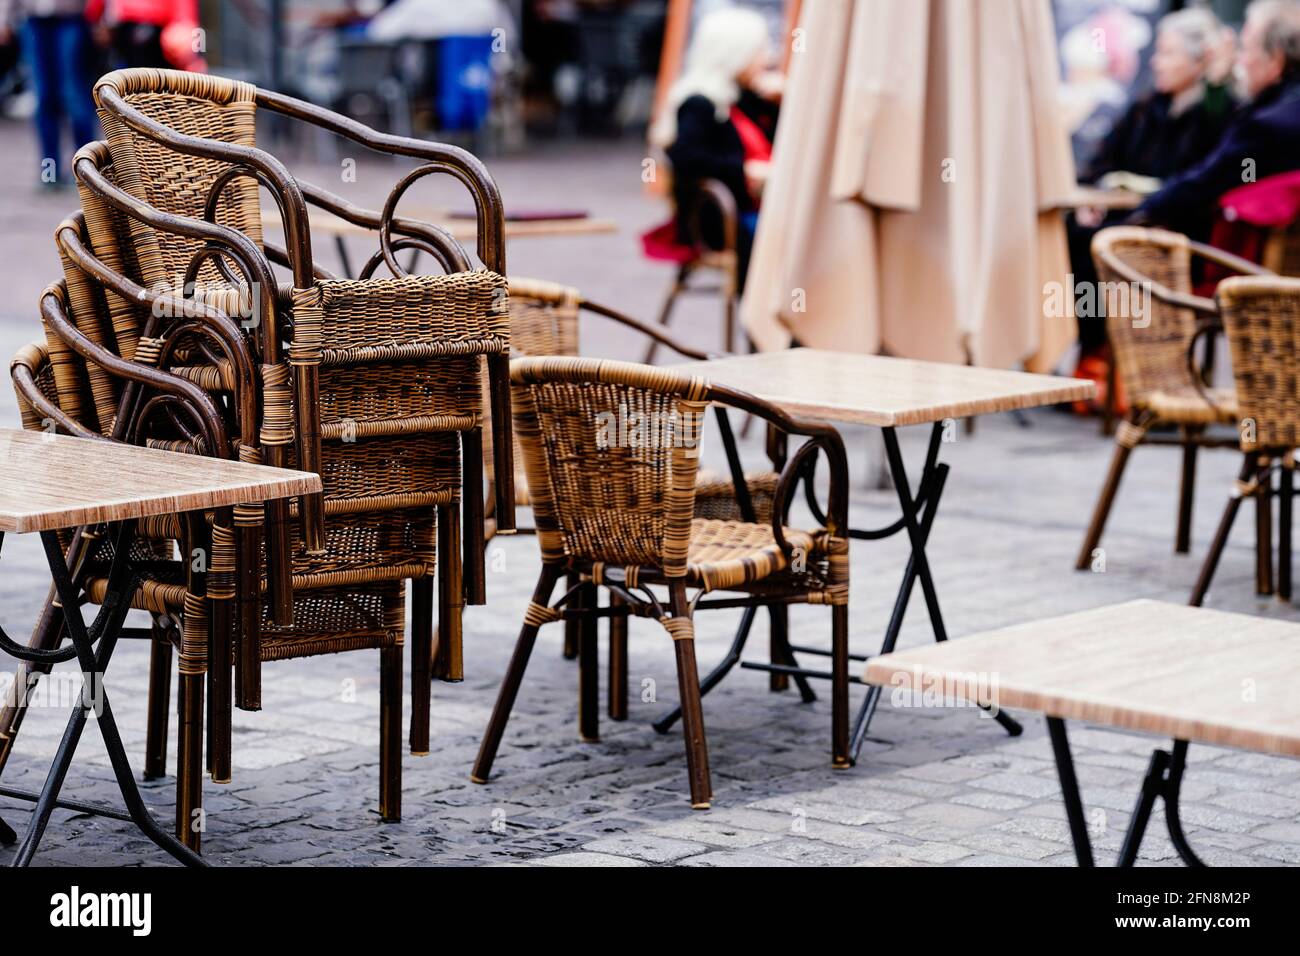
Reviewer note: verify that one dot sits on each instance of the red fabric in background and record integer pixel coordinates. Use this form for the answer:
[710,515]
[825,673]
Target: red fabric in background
[1247,215]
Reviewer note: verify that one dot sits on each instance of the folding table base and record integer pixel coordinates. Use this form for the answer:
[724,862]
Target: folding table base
[917,518]
[92,648]
[1163,779]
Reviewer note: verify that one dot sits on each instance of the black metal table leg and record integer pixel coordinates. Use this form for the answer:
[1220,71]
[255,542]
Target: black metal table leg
[1070,791]
[93,649]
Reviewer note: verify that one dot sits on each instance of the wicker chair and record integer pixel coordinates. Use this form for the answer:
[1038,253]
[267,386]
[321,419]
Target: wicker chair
[710,194]
[544,320]
[620,515]
[1261,318]
[1152,343]
[183,144]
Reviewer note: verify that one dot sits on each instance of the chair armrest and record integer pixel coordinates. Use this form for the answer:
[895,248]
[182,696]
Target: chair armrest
[23,370]
[1162,293]
[1228,260]
[823,436]
[646,329]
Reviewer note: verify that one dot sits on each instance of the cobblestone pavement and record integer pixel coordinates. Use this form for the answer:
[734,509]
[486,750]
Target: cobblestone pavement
[933,786]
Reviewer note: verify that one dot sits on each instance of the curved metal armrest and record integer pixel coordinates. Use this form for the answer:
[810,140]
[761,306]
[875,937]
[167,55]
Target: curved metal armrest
[711,192]
[435,240]
[453,160]
[22,373]
[199,402]
[1228,260]
[1162,293]
[1204,328]
[823,436]
[646,329]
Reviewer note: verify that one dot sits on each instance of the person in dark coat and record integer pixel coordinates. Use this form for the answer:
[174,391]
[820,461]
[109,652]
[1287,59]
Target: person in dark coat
[1263,139]
[717,125]
[1160,136]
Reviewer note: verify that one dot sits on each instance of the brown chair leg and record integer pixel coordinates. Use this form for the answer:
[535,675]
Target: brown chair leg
[189,761]
[688,686]
[617,662]
[390,734]
[572,626]
[487,750]
[841,755]
[448,659]
[159,706]
[1220,537]
[779,618]
[588,669]
[1090,541]
[1187,490]
[666,312]
[1264,534]
[1286,489]
[421,663]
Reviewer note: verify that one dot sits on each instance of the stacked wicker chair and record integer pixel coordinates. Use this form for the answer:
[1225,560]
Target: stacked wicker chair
[544,321]
[379,390]
[620,515]
[1152,340]
[1261,318]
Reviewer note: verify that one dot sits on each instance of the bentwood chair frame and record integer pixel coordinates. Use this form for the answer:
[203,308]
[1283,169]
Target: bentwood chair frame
[544,321]
[158,107]
[645,533]
[1261,320]
[1154,355]
[710,193]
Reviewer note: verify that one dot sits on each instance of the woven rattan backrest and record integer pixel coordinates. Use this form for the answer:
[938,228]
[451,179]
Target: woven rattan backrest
[1149,338]
[1261,319]
[611,451]
[109,236]
[88,311]
[1282,250]
[193,104]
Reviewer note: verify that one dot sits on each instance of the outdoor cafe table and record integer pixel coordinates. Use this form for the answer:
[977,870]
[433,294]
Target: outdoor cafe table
[889,393]
[1185,673]
[53,482]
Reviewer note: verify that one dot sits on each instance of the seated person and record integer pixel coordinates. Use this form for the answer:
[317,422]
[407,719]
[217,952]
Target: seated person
[1162,134]
[717,125]
[1263,139]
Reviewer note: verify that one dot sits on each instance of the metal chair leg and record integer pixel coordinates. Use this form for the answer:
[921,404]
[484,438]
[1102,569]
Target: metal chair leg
[159,705]
[1187,490]
[1264,532]
[840,756]
[688,684]
[1221,537]
[1102,511]
[666,311]
[588,668]
[618,628]
[514,676]
[421,663]
[1286,492]
[779,621]
[390,733]
[572,626]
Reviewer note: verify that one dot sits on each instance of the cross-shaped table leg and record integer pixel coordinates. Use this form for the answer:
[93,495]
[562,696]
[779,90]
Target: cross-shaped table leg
[93,648]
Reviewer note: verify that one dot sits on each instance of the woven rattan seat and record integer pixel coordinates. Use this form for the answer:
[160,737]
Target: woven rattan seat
[1191,407]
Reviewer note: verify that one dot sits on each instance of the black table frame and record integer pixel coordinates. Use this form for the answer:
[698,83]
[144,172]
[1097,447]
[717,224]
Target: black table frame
[917,518]
[92,647]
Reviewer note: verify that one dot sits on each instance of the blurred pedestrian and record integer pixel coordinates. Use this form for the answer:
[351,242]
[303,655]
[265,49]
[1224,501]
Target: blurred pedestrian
[1264,138]
[719,120]
[162,34]
[57,44]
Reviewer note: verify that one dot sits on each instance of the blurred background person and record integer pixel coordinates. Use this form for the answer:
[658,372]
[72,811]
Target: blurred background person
[1263,139]
[1161,134]
[57,44]
[718,122]
[161,34]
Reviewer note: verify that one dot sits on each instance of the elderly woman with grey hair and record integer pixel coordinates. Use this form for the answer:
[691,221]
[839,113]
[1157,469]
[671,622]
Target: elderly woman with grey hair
[1162,134]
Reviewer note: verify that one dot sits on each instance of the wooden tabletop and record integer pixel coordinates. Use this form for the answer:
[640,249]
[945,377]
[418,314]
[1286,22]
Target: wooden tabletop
[460,229]
[1181,672]
[878,390]
[1106,198]
[53,481]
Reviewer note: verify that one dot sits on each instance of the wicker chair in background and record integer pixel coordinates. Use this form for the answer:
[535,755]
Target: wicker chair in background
[621,515]
[1151,343]
[713,195]
[1261,319]
[544,320]
[183,143]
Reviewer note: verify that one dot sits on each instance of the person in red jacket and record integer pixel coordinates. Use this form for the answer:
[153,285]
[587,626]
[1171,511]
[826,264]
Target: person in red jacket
[163,34]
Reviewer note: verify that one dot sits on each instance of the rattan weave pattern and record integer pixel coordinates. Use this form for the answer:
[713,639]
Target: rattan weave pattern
[1261,318]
